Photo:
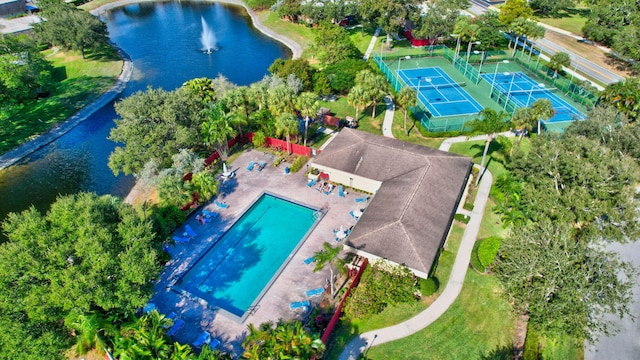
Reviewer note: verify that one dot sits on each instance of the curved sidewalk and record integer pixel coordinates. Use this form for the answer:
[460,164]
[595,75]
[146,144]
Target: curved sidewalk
[357,346]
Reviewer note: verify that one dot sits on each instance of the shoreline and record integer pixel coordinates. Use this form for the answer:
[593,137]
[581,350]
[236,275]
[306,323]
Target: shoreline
[20,152]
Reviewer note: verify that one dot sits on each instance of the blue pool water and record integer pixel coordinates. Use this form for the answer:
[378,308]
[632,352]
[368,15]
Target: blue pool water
[235,271]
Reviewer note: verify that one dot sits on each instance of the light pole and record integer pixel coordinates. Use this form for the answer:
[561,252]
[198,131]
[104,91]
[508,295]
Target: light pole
[506,99]
[407,57]
[481,61]
[495,74]
[471,43]
[455,54]
[541,85]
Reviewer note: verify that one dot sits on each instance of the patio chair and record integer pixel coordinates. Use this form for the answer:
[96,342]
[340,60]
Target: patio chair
[203,338]
[190,231]
[299,305]
[261,165]
[315,292]
[309,260]
[341,191]
[208,213]
[172,316]
[362,199]
[312,182]
[180,239]
[220,204]
[250,166]
[177,325]
[149,308]
[215,343]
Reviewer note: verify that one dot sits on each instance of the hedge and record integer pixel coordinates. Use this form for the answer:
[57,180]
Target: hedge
[488,250]
[298,163]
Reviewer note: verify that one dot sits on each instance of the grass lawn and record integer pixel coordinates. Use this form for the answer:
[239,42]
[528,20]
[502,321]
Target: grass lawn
[79,82]
[571,20]
[478,325]
[297,32]
[495,159]
[361,37]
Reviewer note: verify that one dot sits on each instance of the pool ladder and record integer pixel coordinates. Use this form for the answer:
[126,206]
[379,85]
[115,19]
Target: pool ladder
[317,215]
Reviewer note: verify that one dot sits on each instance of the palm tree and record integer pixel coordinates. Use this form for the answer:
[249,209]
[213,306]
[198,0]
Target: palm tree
[465,29]
[203,87]
[407,98]
[285,340]
[490,122]
[520,27]
[558,61]
[375,86]
[146,338]
[535,32]
[624,96]
[329,256]
[358,98]
[92,331]
[259,94]
[307,103]
[542,110]
[280,100]
[216,130]
[237,102]
[522,120]
[287,125]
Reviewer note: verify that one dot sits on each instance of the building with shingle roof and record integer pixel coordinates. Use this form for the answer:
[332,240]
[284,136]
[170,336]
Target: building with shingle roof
[415,193]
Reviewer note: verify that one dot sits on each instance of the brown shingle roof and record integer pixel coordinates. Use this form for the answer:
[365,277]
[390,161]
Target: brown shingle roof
[409,217]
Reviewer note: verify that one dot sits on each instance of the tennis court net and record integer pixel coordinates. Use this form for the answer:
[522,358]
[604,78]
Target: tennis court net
[530,91]
[441,86]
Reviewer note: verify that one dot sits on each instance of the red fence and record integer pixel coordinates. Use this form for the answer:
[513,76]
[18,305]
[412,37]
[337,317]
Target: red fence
[336,315]
[282,145]
[419,42]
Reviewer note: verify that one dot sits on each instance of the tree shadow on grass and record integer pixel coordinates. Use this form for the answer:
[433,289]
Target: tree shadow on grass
[499,353]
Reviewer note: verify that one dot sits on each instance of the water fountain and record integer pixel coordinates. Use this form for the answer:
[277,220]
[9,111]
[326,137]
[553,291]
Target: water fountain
[207,38]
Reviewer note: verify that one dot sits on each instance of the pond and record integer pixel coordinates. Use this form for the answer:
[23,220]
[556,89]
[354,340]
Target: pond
[165,41]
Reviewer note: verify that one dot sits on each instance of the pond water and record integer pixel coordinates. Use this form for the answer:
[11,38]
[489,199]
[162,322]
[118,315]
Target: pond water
[164,42]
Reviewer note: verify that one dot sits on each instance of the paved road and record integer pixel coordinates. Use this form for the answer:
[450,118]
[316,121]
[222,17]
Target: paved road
[578,62]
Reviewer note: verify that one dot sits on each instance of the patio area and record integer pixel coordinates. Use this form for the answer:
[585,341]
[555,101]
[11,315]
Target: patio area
[239,192]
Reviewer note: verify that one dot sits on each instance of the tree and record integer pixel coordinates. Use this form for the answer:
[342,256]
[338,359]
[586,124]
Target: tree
[439,20]
[24,72]
[490,31]
[389,15]
[298,67]
[88,255]
[154,124]
[466,29]
[624,96]
[534,32]
[563,283]
[307,103]
[375,86]
[407,98]
[595,197]
[216,130]
[358,98]
[329,256]
[281,100]
[284,340]
[490,122]
[332,44]
[558,61]
[527,118]
[550,7]
[287,125]
[513,9]
[71,28]
[342,75]
[203,87]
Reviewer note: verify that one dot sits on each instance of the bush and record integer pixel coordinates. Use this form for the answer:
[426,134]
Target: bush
[381,285]
[259,139]
[298,163]
[475,261]
[531,342]
[428,286]
[462,218]
[468,206]
[277,161]
[488,250]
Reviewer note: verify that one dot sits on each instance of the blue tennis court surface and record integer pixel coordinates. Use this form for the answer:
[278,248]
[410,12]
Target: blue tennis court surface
[523,91]
[439,93]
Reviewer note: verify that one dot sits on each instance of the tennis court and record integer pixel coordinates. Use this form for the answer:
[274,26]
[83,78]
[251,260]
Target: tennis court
[523,91]
[439,93]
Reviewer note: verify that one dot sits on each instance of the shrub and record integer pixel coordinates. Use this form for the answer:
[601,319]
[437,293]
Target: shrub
[429,286]
[259,139]
[475,261]
[468,206]
[461,217]
[298,163]
[381,285]
[488,250]
[277,161]
[530,351]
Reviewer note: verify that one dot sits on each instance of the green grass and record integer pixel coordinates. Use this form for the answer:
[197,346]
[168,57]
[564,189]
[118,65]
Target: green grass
[572,20]
[299,33]
[478,324]
[361,37]
[79,82]
[495,161]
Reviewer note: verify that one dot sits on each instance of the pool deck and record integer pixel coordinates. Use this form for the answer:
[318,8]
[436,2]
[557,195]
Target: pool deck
[296,278]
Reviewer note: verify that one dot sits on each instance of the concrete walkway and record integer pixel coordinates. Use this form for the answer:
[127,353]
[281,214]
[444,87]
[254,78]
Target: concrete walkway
[360,344]
[374,39]
[387,124]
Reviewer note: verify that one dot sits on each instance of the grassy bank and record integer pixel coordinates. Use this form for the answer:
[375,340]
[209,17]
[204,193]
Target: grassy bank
[78,83]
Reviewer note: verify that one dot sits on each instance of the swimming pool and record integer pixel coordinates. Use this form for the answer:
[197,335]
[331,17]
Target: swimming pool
[238,269]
